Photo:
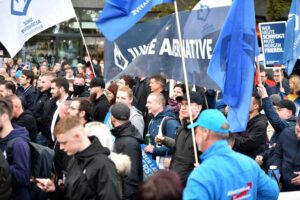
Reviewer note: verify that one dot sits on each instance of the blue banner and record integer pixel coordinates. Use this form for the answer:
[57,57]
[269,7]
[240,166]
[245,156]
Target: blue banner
[120,15]
[272,41]
[149,165]
[153,47]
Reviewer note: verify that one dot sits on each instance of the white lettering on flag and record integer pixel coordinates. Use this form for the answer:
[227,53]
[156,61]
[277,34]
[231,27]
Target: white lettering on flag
[22,19]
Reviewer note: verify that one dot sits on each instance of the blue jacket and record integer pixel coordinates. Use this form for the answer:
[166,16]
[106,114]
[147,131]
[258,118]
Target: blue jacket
[287,157]
[225,174]
[20,164]
[171,127]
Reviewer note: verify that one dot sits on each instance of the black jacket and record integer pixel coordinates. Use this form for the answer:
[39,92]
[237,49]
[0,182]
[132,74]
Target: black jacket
[27,120]
[141,92]
[92,175]
[100,108]
[49,109]
[127,142]
[183,159]
[38,110]
[252,142]
[287,157]
[28,98]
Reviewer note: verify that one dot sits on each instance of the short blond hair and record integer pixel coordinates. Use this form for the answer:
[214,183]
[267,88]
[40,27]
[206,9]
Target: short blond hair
[126,89]
[66,124]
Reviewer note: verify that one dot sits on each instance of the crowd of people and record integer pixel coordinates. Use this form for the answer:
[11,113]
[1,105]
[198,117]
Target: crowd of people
[96,130]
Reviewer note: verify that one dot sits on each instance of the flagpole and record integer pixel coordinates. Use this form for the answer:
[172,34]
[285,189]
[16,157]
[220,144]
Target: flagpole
[86,49]
[258,70]
[182,52]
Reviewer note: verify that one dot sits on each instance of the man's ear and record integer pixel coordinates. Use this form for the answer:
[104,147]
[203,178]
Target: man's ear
[82,113]
[206,134]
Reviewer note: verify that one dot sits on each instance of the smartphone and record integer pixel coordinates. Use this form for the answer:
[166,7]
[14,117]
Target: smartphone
[36,181]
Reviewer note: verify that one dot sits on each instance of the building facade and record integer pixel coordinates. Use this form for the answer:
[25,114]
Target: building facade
[63,42]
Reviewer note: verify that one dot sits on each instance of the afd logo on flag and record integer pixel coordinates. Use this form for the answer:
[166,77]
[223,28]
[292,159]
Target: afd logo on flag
[19,7]
[203,12]
[120,60]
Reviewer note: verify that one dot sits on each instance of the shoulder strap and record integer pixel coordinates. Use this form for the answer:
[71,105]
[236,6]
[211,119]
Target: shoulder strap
[163,125]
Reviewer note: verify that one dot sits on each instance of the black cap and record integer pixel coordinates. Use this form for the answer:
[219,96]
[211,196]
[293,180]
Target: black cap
[195,97]
[288,104]
[97,82]
[120,111]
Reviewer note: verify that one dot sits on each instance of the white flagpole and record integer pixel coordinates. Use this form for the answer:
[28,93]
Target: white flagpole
[87,51]
[182,52]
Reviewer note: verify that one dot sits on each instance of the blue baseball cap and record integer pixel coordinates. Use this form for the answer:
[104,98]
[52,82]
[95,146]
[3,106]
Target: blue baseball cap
[213,120]
[18,74]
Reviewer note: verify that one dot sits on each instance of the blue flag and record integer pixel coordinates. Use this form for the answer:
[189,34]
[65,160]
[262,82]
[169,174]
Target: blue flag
[232,62]
[120,15]
[292,38]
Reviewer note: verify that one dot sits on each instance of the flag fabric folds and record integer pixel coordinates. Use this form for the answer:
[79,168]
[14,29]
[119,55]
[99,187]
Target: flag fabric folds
[232,62]
[120,15]
[292,38]
[22,19]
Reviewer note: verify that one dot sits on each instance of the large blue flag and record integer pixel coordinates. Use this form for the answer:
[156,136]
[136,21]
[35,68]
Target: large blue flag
[292,38]
[232,62]
[120,15]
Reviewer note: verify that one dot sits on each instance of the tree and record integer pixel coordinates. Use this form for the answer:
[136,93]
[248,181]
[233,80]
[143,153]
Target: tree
[276,8]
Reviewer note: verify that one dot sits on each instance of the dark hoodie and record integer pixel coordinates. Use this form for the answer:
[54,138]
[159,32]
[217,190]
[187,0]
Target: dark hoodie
[128,140]
[252,142]
[19,163]
[92,175]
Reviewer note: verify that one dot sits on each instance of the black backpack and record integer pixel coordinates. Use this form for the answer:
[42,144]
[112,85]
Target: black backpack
[5,179]
[41,164]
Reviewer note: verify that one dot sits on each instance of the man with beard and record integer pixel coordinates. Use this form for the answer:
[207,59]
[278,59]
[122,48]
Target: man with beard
[252,141]
[80,89]
[7,88]
[59,92]
[43,95]
[183,159]
[100,102]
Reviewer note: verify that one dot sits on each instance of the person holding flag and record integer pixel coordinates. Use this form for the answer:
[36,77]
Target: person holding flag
[232,64]
[224,173]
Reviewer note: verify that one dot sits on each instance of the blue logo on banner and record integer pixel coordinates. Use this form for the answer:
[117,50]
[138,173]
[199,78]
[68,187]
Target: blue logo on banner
[19,7]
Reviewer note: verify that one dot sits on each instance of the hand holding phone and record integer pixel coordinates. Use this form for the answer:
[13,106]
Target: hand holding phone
[44,184]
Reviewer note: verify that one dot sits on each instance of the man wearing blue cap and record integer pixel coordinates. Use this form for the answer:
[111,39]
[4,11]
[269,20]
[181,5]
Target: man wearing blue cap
[224,174]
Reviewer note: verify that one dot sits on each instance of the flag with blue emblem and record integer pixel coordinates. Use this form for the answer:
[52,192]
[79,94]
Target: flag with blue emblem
[292,38]
[232,62]
[120,15]
[22,19]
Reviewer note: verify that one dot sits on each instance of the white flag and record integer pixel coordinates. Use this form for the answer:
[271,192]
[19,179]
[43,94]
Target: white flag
[22,19]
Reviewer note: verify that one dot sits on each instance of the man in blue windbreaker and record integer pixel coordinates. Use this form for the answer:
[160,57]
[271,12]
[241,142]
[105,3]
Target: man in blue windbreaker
[223,173]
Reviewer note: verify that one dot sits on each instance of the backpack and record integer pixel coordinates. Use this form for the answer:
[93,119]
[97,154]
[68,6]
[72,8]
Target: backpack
[5,179]
[41,164]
